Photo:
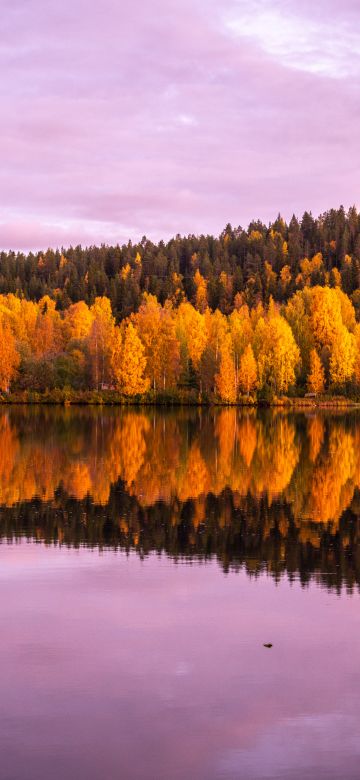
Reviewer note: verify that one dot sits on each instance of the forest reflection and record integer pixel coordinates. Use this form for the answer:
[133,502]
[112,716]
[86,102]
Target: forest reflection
[260,489]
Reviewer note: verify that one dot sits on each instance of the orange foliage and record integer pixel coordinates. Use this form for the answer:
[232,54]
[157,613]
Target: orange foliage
[314,339]
[225,378]
[248,371]
[201,291]
[316,377]
[9,357]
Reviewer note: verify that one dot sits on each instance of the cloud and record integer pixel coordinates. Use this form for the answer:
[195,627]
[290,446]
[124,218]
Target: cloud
[187,120]
[122,119]
[300,40]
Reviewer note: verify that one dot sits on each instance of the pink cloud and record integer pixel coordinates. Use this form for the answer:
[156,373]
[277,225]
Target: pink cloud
[124,119]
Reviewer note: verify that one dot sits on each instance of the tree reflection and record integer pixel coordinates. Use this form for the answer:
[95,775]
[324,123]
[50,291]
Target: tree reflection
[261,490]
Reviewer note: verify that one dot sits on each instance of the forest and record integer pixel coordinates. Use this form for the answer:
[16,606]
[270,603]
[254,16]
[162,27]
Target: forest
[253,315]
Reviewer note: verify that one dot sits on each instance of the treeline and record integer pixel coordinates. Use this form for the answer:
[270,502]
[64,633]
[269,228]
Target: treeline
[311,342]
[240,266]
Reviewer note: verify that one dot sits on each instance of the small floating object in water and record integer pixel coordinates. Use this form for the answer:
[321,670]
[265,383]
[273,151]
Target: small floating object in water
[268,645]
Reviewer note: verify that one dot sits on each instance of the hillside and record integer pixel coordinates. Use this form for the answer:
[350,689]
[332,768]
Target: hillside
[257,263]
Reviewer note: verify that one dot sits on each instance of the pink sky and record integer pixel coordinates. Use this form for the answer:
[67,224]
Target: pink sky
[120,119]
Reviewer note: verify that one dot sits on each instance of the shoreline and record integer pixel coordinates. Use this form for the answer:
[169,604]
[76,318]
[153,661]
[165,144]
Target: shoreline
[111,398]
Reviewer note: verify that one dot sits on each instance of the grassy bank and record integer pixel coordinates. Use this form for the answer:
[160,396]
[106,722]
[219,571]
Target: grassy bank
[68,397]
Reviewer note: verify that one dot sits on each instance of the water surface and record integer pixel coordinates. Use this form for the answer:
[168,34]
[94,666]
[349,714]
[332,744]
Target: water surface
[146,558]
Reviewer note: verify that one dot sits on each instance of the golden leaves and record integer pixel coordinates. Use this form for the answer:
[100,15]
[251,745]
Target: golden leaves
[225,378]
[9,356]
[316,377]
[129,363]
[248,371]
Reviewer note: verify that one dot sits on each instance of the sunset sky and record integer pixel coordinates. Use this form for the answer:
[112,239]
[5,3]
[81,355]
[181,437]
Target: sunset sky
[124,118]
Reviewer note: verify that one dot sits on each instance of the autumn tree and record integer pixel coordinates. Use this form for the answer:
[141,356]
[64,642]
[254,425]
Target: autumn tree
[316,376]
[241,333]
[343,357]
[285,354]
[157,330]
[326,318]
[192,337]
[248,371]
[357,355]
[9,357]
[217,329]
[129,363]
[277,353]
[78,320]
[201,292]
[298,314]
[101,341]
[225,378]
[170,349]
[21,317]
[48,333]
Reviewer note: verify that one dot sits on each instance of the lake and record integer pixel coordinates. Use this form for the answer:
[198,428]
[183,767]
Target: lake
[146,559]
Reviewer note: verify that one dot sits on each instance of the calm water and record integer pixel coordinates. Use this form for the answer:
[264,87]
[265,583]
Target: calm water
[145,559]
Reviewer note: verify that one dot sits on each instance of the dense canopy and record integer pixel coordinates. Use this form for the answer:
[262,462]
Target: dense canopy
[266,311]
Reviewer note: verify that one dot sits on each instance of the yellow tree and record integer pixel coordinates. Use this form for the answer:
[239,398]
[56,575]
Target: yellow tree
[147,321]
[101,340]
[156,327]
[191,334]
[225,291]
[297,314]
[216,330]
[357,355]
[260,342]
[201,292]
[78,320]
[285,353]
[333,323]
[316,376]
[9,357]
[241,333]
[170,348]
[342,359]
[326,316]
[248,371]
[48,335]
[347,309]
[129,363]
[276,351]
[225,378]
[21,317]
[25,331]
